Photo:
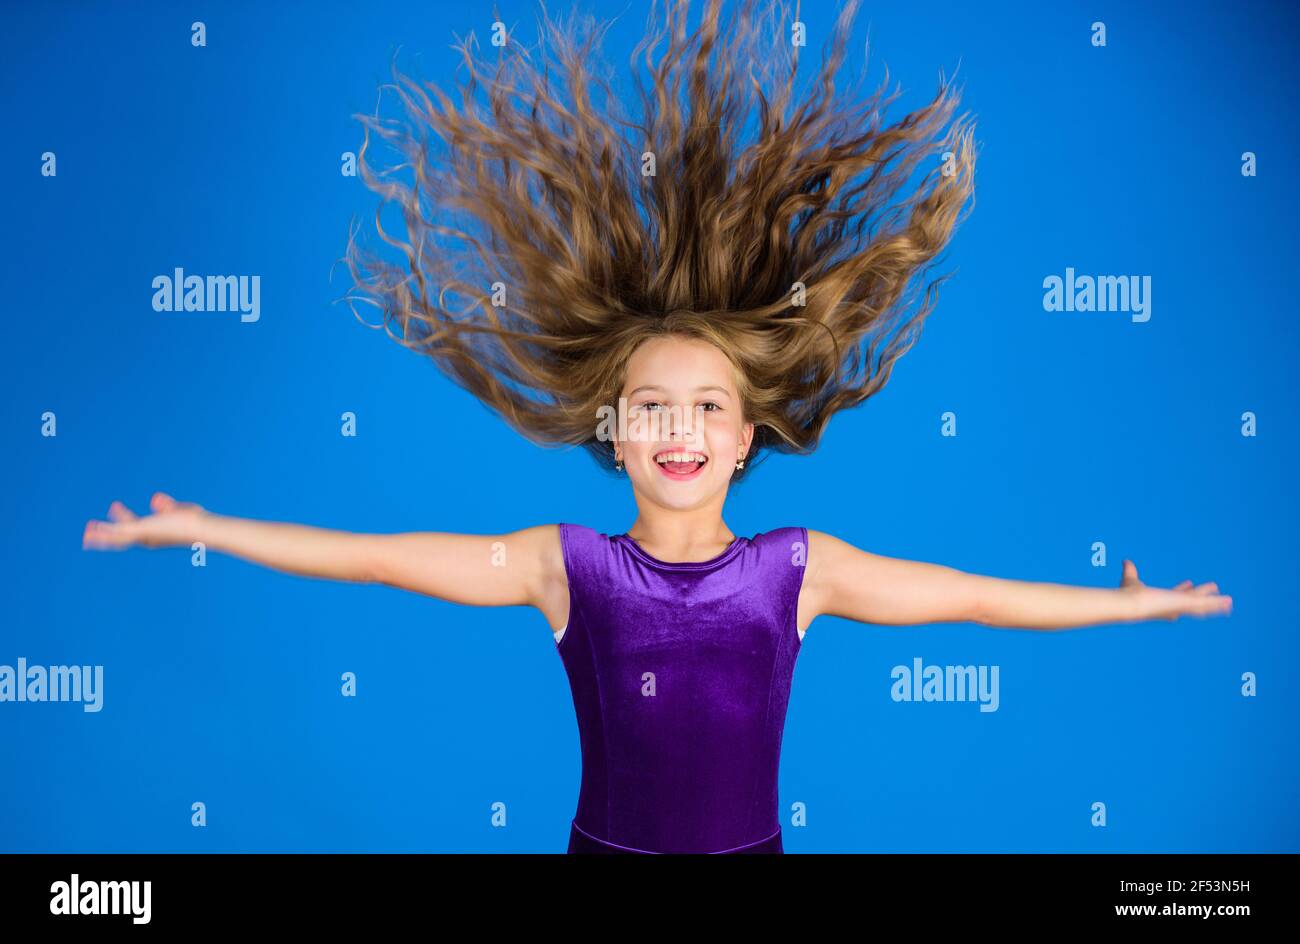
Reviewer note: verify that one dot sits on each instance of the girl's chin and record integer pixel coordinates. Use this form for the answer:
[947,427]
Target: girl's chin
[679,494]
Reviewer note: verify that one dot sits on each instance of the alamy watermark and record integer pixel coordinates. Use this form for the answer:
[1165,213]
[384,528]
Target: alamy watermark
[644,425]
[181,292]
[920,682]
[76,897]
[1130,293]
[74,683]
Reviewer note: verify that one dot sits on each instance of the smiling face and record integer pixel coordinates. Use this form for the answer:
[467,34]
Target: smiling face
[686,428]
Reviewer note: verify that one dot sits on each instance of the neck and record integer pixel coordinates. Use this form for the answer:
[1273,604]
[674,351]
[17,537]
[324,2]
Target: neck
[681,535]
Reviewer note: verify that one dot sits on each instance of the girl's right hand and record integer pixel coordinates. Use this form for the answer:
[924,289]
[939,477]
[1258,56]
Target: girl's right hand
[172,523]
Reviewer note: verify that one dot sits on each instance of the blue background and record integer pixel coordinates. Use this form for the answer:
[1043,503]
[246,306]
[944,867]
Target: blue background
[222,683]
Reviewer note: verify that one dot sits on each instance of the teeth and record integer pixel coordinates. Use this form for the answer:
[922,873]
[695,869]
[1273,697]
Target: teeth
[679,457]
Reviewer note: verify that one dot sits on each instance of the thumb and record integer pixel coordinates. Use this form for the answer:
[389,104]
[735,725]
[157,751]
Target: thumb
[161,501]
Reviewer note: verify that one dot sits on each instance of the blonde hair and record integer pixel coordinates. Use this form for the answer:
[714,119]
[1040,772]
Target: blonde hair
[596,242]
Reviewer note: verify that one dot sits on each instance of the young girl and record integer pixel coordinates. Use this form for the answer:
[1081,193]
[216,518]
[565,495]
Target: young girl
[680,307]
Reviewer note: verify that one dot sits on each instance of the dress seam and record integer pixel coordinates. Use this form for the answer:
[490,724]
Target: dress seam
[575,599]
[604,724]
[793,610]
[615,845]
[681,566]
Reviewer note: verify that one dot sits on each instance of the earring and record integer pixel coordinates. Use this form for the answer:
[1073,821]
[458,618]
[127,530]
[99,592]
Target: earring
[618,464]
[740,464]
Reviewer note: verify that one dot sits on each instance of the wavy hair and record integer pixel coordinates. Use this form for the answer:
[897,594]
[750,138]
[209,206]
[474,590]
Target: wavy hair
[576,233]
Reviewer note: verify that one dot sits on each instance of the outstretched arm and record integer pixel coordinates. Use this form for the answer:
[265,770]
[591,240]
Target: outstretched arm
[516,569]
[842,580]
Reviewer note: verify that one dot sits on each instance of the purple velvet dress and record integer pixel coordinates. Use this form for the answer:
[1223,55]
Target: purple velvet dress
[680,674]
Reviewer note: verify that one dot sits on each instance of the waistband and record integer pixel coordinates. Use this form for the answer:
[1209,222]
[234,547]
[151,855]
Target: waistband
[581,842]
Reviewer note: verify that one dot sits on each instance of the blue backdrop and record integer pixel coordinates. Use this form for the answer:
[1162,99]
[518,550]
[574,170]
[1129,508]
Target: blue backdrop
[222,683]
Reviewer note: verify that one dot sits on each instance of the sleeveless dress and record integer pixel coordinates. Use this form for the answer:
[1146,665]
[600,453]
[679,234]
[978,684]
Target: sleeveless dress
[680,674]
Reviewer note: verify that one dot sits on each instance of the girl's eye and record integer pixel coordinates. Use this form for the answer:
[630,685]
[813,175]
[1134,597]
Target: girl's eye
[655,404]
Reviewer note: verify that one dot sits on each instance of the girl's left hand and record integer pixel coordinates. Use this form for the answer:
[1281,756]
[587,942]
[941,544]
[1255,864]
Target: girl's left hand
[1152,603]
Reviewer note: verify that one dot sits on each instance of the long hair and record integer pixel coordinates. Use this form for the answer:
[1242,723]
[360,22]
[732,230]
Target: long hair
[585,233]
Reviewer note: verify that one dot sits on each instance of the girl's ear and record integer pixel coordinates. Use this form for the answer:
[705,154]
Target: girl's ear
[746,438]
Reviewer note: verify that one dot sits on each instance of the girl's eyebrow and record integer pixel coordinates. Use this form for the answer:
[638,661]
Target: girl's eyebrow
[722,390]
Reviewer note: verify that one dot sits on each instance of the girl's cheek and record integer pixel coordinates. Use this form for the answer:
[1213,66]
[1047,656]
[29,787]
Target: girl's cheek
[720,424]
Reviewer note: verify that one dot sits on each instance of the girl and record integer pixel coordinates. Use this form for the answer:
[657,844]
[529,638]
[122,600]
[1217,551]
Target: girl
[680,307]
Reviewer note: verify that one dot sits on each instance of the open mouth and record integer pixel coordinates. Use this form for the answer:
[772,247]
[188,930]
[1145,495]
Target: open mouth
[681,465]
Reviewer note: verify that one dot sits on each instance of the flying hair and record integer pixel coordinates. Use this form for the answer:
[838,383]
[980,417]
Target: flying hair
[729,210]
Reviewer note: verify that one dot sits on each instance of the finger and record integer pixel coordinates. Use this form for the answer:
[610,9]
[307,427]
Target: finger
[1184,585]
[101,535]
[119,512]
[1210,587]
[1130,573]
[88,536]
[1211,606]
[161,501]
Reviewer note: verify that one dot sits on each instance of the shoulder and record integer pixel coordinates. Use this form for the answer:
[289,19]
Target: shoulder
[577,541]
[555,553]
[782,555]
[792,541]
[576,550]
